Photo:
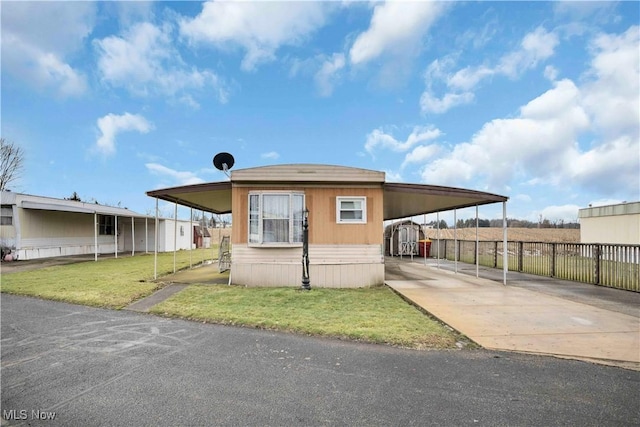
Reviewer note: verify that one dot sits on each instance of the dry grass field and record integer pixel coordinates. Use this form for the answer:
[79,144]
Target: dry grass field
[548,235]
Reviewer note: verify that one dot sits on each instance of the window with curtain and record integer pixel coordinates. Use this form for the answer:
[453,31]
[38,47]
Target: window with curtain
[350,210]
[275,218]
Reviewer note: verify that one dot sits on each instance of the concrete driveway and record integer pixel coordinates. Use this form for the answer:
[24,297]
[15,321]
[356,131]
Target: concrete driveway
[598,325]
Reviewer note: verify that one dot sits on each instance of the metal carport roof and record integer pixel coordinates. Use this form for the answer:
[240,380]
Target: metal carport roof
[210,197]
[400,200]
[406,200]
[80,207]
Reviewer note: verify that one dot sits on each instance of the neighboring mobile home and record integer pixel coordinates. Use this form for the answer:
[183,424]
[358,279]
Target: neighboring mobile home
[41,227]
[346,207]
[612,224]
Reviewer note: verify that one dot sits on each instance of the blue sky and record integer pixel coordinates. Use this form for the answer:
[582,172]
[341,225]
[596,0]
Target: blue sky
[538,101]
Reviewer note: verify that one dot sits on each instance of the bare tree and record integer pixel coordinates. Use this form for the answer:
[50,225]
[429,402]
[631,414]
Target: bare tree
[11,163]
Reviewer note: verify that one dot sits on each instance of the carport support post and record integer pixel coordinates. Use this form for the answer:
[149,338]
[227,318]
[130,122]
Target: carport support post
[190,236]
[155,246]
[95,234]
[115,234]
[146,235]
[438,235]
[505,259]
[424,234]
[455,240]
[477,262]
[175,234]
[204,220]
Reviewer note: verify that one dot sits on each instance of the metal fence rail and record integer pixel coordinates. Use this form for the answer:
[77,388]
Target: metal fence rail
[615,266]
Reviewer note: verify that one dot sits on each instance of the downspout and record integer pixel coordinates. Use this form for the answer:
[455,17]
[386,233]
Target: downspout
[146,235]
[133,238]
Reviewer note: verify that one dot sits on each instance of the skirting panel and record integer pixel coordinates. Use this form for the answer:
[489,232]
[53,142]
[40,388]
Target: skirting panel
[321,275]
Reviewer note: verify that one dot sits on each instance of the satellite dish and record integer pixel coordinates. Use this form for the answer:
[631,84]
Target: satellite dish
[223,162]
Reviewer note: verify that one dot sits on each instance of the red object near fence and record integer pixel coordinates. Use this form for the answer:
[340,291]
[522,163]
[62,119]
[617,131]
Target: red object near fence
[424,247]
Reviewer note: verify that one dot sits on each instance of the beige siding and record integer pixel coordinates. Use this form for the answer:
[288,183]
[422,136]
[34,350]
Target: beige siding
[321,202]
[318,254]
[612,224]
[7,232]
[622,229]
[50,224]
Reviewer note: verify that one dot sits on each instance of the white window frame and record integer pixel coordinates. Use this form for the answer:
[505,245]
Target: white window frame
[260,232]
[362,199]
[106,225]
[6,216]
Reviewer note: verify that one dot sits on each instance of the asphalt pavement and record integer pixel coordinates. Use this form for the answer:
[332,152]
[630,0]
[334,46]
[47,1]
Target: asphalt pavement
[85,366]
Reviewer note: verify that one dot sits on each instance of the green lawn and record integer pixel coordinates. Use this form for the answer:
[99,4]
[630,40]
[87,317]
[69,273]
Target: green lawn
[371,314]
[110,283]
[375,315]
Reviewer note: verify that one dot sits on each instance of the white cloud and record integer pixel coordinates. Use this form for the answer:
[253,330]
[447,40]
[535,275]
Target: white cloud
[378,138]
[579,10]
[390,176]
[144,62]
[567,213]
[271,155]
[433,104]
[550,72]
[562,99]
[468,78]
[328,74]
[35,46]
[395,27]
[611,95]
[539,142]
[421,154]
[534,48]
[546,142]
[610,167]
[178,177]
[259,28]
[52,71]
[111,125]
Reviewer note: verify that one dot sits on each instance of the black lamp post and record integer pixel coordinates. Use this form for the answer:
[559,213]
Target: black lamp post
[306,285]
